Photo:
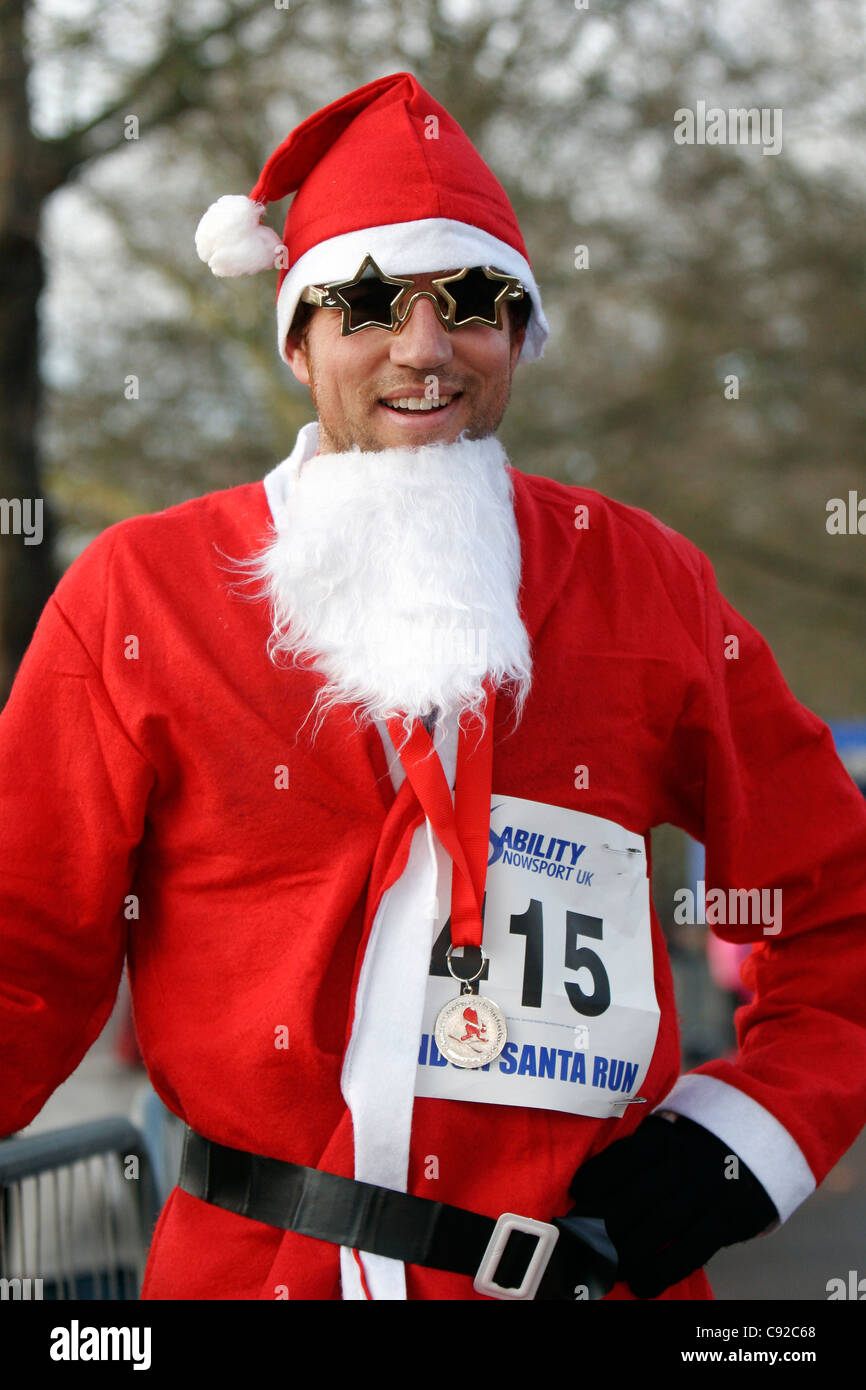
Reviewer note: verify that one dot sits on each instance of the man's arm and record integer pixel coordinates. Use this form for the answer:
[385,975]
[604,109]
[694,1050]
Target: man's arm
[754,775]
[73,792]
[778,812]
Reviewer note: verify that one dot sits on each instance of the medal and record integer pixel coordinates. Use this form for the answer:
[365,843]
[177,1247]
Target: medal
[470,1030]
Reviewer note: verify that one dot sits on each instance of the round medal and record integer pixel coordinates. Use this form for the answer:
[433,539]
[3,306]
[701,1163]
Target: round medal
[470,1030]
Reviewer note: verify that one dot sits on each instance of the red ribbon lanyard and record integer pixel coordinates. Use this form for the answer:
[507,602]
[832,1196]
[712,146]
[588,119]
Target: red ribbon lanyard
[463,828]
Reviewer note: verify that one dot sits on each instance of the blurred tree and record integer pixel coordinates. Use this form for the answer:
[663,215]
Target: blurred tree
[26,574]
[181,75]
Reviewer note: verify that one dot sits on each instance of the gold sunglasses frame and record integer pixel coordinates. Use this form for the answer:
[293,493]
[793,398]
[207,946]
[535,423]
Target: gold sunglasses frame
[329,297]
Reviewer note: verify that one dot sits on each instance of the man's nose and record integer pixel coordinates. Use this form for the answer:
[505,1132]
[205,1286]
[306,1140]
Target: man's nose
[422,340]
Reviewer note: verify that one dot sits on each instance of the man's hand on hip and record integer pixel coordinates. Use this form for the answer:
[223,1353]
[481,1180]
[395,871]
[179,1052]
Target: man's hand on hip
[671,1196]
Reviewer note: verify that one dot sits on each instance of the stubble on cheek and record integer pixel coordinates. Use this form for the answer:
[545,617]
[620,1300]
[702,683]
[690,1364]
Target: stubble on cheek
[339,434]
[328,442]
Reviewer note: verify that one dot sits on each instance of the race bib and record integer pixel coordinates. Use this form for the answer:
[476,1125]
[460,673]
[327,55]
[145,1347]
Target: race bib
[567,932]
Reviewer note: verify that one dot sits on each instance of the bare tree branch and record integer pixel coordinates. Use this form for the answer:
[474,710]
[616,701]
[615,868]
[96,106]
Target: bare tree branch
[174,82]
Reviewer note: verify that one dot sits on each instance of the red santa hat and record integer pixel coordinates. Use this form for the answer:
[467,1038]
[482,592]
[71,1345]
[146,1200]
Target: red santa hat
[385,170]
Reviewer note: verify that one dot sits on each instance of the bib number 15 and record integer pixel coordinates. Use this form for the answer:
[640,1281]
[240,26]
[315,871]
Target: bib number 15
[531,925]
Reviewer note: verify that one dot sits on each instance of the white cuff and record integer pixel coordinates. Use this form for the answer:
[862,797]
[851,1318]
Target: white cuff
[755,1136]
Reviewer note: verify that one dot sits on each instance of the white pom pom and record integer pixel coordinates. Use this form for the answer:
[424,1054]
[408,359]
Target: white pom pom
[232,241]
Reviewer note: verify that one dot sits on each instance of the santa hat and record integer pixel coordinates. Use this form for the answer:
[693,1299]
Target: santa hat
[385,170]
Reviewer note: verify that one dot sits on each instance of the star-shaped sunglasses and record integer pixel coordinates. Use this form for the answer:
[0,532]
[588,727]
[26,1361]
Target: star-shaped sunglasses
[372,299]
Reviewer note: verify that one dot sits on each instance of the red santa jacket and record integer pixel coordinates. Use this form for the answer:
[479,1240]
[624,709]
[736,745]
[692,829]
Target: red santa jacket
[146,810]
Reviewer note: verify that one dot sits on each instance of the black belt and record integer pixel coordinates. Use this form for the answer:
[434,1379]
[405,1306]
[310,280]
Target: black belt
[514,1257]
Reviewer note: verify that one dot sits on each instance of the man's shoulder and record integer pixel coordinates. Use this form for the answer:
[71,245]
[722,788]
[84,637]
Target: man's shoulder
[230,513]
[172,551]
[628,535]
[227,507]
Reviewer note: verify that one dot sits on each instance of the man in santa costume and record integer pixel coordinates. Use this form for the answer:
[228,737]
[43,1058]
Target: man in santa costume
[357,767]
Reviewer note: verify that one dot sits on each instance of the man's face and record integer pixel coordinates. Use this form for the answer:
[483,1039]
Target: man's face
[349,378]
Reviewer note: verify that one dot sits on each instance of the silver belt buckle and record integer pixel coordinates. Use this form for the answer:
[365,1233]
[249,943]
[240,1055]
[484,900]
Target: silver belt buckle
[547,1236]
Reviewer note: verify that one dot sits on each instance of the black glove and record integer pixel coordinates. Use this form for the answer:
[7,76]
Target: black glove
[667,1203]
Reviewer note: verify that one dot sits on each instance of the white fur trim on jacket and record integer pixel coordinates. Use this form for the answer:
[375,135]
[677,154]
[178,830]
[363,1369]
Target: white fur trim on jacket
[380,1066]
[754,1135]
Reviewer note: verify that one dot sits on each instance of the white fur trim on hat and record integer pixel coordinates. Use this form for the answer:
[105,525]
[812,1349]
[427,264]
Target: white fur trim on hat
[232,241]
[406,248]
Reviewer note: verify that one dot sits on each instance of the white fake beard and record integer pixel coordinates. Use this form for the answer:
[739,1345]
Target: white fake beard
[397,574]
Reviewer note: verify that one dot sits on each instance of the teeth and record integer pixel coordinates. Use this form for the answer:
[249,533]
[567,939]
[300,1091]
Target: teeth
[419,403]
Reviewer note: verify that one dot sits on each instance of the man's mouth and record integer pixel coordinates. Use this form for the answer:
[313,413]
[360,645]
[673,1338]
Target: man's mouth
[414,405]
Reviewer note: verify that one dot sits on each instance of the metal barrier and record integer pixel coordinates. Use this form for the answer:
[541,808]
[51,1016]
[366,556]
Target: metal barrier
[77,1211]
[163,1133]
